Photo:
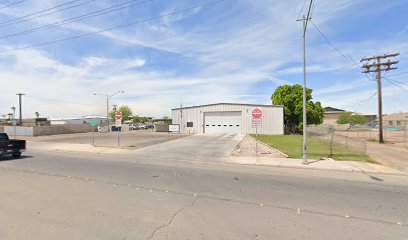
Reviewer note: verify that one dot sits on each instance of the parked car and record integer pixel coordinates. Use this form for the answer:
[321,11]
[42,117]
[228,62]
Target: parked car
[143,126]
[11,147]
[134,126]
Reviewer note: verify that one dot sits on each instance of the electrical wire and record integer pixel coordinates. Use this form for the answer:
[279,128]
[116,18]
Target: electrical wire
[397,74]
[35,13]
[100,12]
[334,47]
[348,58]
[396,81]
[395,84]
[301,10]
[363,100]
[113,28]
[12,4]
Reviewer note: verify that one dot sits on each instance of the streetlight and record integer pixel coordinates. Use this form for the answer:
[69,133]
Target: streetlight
[108,97]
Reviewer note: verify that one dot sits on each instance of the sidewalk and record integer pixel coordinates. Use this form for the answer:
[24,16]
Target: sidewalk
[328,165]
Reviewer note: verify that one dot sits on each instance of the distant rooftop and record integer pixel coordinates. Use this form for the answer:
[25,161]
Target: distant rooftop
[332,109]
[236,104]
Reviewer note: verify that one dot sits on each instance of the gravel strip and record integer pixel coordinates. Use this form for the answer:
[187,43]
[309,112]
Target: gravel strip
[247,148]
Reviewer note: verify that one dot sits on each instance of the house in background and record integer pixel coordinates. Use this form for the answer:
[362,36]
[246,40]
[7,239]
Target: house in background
[398,120]
[331,115]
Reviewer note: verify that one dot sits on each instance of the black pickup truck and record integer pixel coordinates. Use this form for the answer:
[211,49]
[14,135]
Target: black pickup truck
[11,147]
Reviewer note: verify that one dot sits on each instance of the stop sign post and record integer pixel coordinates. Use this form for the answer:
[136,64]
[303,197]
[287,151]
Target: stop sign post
[256,113]
[118,119]
[256,122]
[118,115]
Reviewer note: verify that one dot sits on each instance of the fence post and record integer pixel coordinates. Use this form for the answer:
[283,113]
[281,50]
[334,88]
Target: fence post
[331,141]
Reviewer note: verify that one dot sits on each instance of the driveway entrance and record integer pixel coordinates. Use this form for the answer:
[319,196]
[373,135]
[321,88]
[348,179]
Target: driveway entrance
[199,147]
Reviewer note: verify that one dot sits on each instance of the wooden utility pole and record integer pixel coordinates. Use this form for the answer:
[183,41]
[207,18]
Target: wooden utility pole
[378,66]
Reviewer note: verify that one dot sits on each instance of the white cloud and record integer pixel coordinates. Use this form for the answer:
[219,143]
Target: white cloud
[219,58]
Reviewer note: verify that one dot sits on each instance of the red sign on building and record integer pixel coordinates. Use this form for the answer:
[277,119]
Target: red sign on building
[256,113]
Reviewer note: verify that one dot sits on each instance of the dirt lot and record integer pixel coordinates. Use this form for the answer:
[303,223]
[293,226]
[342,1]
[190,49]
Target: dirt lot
[128,140]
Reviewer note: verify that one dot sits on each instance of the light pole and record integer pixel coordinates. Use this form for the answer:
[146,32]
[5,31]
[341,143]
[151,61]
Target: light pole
[14,112]
[305,20]
[108,97]
[19,104]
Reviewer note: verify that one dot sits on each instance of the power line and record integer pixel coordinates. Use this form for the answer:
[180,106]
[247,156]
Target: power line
[46,14]
[395,84]
[35,13]
[301,10]
[397,74]
[12,4]
[311,11]
[348,58]
[79,18]
[334,47]
[113,28]
[396,81]
[363,100]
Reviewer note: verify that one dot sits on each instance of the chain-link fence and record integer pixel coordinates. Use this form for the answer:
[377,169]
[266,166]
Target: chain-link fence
[397,136]
[356,138]
[336,141]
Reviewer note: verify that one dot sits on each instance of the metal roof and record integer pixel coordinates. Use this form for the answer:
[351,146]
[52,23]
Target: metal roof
[236,104]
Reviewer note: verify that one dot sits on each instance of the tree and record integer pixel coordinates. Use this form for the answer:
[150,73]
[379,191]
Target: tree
[126,113]
[37,115]
[351,119]
[166,119]
[291,97]
[138,119]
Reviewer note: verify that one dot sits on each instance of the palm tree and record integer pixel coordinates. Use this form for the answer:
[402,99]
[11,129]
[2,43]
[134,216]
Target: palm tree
[14,111]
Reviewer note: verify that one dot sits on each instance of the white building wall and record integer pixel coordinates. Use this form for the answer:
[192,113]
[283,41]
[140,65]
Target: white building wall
[272,119]
[79,121]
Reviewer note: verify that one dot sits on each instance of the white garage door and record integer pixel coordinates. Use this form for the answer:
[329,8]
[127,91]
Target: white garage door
[222,122]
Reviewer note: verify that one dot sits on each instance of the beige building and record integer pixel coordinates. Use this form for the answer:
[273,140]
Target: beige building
[228,118]
[331,115]
[395,120]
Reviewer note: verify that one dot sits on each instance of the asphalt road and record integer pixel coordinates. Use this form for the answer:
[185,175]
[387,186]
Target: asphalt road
[71,196]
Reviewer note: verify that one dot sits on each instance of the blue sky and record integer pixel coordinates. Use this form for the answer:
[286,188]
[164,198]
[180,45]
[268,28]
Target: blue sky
[229,51]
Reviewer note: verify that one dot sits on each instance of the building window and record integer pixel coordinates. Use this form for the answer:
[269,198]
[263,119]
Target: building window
[398,123]
[390,123]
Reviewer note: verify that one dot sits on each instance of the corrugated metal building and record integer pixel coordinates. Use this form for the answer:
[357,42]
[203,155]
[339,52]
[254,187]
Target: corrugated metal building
[228,118]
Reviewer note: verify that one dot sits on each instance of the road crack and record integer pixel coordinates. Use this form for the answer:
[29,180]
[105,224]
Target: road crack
[161,227]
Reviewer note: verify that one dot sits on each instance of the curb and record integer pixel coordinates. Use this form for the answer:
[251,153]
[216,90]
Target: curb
[227,163]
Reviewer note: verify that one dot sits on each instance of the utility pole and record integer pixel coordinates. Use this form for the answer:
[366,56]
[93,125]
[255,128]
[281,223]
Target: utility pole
[377,66]
[20,110]
[305,20]
[108,97]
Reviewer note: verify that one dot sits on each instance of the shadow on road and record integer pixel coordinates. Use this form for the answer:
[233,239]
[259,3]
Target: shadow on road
[10,158]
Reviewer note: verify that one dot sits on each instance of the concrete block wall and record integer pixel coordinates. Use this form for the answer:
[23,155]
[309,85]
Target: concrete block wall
[48,130]
[63,129]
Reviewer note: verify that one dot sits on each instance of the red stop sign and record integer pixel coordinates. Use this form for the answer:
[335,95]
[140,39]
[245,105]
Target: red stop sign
[118,115]
[256,113]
